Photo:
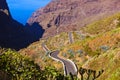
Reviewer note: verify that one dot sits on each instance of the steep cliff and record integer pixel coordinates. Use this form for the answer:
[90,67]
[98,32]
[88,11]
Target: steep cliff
[12,33]
[66,15]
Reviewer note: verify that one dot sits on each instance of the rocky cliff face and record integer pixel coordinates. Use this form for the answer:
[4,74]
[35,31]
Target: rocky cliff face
[4,7]
[12,33]
[66,15]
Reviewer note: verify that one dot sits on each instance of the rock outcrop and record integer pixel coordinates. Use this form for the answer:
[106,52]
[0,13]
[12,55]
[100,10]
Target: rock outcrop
[13,34]
[4,7]
[66,15]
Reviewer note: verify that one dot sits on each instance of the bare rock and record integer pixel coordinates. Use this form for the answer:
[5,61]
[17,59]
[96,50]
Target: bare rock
[66,15]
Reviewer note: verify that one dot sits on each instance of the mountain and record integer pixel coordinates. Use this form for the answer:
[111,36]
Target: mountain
[95,48]
[13,34]
[99,52]
[70,15]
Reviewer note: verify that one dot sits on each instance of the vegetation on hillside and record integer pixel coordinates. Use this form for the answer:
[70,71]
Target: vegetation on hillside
[18,67]
[109,62]
[96,48]
[14,66]
[103,25]
[95,40]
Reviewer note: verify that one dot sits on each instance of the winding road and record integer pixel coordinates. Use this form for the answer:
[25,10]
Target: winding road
[68,65]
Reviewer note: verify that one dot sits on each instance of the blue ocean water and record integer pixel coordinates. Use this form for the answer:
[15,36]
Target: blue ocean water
[21,10]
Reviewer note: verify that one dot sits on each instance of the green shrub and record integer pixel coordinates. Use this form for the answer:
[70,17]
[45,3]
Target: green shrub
[19,67]
[104,48]
[14,66]
[71,52]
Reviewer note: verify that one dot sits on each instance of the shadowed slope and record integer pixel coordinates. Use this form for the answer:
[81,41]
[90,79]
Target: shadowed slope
[12,33]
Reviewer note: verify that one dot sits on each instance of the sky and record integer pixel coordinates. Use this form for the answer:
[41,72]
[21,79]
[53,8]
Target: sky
[21,10]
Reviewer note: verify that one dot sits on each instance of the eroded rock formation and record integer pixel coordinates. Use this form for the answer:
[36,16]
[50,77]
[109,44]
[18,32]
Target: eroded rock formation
[66,15]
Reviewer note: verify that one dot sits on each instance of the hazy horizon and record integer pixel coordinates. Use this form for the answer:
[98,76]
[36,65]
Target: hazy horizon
[21,10]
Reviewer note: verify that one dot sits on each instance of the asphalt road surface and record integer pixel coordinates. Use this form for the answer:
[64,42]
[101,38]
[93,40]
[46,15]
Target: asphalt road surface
[69,66]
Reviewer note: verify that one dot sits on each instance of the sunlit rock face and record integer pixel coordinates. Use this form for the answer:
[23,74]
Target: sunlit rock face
[67,15]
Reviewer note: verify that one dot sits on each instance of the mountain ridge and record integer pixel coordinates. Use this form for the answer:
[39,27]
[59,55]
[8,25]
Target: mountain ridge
[13,34]
[70,15]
